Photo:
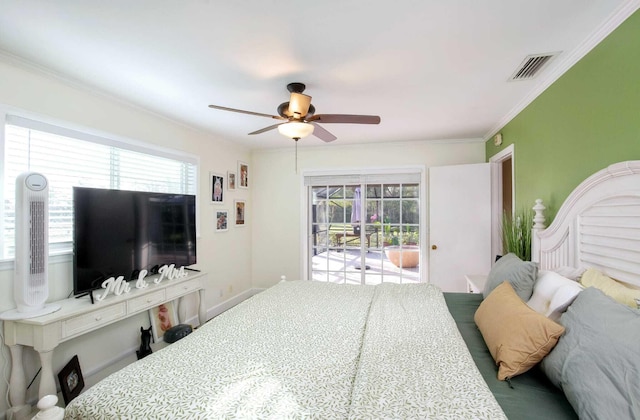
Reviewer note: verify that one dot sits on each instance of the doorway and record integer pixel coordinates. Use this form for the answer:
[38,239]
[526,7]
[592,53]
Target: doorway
[502,193]
[364,232]
[460,224]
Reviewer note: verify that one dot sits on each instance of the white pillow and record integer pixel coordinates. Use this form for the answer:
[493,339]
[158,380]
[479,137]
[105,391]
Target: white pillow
[543,290]
[562,298]
[552,294]
[571,273]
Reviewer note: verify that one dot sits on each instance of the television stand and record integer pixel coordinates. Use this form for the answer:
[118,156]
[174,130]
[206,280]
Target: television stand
[77,317]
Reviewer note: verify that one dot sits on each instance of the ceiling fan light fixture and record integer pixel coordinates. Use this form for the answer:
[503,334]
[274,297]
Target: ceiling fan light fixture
[298,117]
[295,129]
[299,104]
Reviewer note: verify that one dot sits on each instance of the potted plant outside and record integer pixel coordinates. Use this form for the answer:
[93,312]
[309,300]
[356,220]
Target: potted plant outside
[407,255]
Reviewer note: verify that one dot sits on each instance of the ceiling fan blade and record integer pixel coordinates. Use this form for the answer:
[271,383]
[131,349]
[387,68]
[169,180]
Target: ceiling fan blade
[299,104]
[241,111]
[322,134]
[345,119]
[263,130]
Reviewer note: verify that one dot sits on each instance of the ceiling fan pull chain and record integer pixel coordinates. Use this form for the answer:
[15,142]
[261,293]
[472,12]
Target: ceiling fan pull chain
[296,155]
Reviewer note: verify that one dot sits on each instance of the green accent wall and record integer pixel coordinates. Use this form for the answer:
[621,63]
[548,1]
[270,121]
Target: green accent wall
[586,120]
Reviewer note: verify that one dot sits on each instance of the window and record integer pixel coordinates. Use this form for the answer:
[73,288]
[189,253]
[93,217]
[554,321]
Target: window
[364,229]
[70,158]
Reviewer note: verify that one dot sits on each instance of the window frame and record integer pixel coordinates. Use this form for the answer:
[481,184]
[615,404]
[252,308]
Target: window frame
[361,176]
[63,128]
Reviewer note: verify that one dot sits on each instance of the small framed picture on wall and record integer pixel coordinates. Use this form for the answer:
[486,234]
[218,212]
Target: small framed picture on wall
[231,178]
[222,220]
[243,174]
[162,317]
[241,212]
[216,182]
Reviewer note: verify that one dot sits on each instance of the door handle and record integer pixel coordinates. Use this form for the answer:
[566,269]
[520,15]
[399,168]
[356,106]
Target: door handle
[434,247]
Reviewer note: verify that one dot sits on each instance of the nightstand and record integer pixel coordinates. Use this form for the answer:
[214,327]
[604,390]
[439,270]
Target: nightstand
[475,282]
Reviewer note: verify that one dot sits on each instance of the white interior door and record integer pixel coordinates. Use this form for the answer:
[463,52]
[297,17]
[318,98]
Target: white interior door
[460,224]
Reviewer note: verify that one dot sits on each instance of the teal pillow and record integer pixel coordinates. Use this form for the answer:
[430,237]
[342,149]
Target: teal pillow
[521,275]
[597,361]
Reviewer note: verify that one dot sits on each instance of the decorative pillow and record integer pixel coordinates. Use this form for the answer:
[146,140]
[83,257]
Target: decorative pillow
[610,287]
[597,362]
[552,294]
[562,298]
[517,336]
[521,275]
[544,287]
[572,273]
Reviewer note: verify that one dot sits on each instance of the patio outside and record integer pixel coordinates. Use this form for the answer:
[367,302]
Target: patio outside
[343,263]
[365,233]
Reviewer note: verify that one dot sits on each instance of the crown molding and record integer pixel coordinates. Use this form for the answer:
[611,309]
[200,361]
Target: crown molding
[403,143]
[568,61]
[85,87]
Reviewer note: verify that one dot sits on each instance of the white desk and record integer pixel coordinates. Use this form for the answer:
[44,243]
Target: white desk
[475,282]
[77,317]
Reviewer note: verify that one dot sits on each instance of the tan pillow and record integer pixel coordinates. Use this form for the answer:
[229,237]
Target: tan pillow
[517,336]
[610,287]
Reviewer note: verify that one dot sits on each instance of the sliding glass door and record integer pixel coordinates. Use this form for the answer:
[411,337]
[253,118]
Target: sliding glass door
[336,243]
[364,233]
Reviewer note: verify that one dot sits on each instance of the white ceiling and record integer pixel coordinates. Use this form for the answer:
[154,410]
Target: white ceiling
[432,70]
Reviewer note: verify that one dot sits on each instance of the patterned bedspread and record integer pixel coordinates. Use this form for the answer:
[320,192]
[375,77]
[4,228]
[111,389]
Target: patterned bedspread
[306,350]
[414,363]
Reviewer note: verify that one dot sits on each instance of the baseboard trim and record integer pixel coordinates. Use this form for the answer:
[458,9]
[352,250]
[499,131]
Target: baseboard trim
[230,303]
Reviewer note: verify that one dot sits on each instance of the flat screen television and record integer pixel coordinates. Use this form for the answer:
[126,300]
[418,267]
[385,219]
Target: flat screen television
[119,233]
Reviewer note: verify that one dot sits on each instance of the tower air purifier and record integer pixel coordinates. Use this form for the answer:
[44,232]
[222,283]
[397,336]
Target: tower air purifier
[31,286]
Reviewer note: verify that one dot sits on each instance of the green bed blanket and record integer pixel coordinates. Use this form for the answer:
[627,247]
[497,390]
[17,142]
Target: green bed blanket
[531,395]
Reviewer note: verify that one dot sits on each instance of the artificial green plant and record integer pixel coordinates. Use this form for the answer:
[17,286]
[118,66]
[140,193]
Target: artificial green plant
[516,233]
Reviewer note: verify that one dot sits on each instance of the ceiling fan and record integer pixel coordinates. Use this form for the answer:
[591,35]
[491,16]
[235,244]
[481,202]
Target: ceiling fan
[299,119]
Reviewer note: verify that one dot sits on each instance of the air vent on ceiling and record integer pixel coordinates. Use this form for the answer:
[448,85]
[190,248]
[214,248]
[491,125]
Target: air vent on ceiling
[531,66]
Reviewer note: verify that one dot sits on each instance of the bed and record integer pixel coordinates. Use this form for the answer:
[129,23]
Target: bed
[307,350]
[303,349]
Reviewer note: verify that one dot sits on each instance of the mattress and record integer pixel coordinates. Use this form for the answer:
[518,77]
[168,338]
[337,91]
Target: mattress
[307,350]
[531,396]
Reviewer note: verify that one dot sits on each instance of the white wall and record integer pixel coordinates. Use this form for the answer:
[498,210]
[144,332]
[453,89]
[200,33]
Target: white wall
[277,197]
[223,255]
[253,256]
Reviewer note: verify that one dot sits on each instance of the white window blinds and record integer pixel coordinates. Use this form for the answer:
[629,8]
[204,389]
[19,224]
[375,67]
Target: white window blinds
[391,177]
[70,158]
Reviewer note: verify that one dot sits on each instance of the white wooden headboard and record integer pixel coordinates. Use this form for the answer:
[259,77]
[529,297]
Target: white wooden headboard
[597,226]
